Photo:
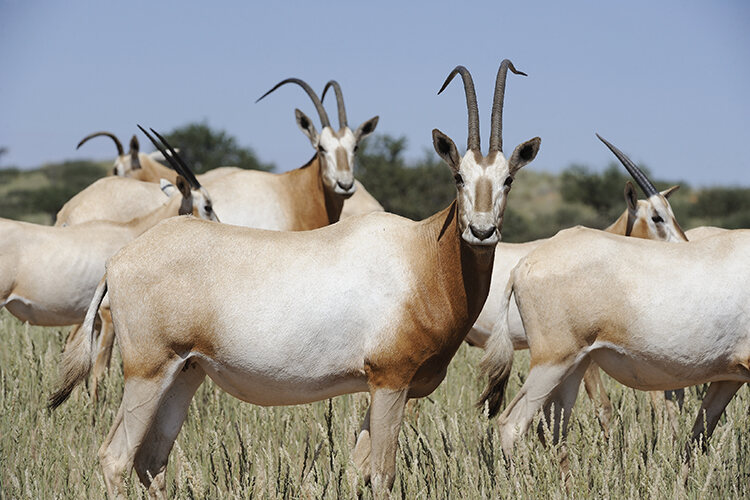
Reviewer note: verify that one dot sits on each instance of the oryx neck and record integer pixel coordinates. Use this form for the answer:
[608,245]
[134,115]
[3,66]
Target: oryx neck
[623,225]
[312,205]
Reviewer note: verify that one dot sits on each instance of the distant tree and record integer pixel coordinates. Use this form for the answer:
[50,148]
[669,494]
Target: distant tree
[3,152]
[204,148]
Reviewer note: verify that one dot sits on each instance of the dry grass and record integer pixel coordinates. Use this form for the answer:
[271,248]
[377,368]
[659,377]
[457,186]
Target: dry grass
[447,449]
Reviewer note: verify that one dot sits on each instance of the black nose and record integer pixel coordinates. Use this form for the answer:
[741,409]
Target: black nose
[345,187]
[482,234]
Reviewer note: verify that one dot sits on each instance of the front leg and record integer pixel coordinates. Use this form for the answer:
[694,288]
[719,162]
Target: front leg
[386,415]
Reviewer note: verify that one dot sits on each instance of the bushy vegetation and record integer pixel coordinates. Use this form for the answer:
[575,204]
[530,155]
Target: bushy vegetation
[204,148]
[447,448]
[540,203]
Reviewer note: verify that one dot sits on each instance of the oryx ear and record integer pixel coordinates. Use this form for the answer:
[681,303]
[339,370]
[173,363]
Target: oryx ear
[668,192]
[183,186]
[524,154]
[306,125]
[631,197]
[135,162]
[366,128]
[446,149]
[167,187]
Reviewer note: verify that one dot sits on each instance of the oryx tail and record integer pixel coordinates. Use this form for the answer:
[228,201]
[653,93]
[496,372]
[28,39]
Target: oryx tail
[77,359]
[498,358]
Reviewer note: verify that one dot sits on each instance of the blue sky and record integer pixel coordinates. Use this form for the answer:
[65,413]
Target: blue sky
[667,82]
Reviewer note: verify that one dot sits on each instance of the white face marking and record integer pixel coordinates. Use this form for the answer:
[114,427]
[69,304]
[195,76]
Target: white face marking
[202,201]
[656,213]
[482,194]
[121,168]
[337,176]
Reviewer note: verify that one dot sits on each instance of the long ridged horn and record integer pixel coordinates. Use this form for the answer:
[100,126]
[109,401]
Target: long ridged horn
[635,172]
[473,142]
[339,101]
[173,158]
[496,130]
[310,92]
[118,144]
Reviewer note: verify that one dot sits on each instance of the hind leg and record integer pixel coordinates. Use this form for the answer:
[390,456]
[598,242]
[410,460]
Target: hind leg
[104,351]
[151,459]
[140,404]
[540,386]
[592,381]
[560,403]
[712,407]
[361,453]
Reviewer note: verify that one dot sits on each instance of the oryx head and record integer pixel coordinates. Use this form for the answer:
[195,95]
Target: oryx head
[651,218]
[335,149]
[483,182]
[195,199]
[123,163]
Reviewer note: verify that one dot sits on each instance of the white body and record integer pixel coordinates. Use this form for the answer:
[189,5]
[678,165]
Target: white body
[653,316]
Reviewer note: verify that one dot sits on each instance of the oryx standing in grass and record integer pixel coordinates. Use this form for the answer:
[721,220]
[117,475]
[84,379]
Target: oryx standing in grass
[651,218]
[375,303]
[48,274]
[308,197]
[653,316]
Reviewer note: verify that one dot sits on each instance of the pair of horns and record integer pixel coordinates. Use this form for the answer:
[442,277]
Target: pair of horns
[134,146]
[645,184]
[496,130]
[175,161]
[318,101]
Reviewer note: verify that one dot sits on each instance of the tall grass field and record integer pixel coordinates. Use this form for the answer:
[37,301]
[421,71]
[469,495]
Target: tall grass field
[447,448]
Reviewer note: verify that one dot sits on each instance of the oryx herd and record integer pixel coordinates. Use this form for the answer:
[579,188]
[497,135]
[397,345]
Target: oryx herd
[297,287]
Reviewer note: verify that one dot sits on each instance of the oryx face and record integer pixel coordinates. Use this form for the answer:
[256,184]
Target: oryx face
[655,220]
[336,152]
[195,201]
[483,184]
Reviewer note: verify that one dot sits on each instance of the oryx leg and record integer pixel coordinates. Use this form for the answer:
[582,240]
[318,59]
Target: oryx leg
[151,459]
[715,401]
[560,402]
[659,402]
[592,381]
[140,404]
[362,450]
[104,351]
[541,384]
[386,415]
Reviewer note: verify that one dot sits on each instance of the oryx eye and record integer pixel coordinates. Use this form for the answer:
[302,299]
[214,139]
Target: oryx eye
[657,219]
[208,209]
[509,181]
[321,148]
[459,179]
[356,147]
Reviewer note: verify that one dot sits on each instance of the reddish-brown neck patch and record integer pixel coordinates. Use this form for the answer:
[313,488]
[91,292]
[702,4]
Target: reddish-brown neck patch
[312,206]
[450,288]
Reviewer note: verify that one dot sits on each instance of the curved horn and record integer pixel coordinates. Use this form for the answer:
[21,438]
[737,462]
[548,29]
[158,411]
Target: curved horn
[635,172]
[118,144]
[325,122]
[473,141]
[135,162]
[173,158]
[496,128]
[339,101]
